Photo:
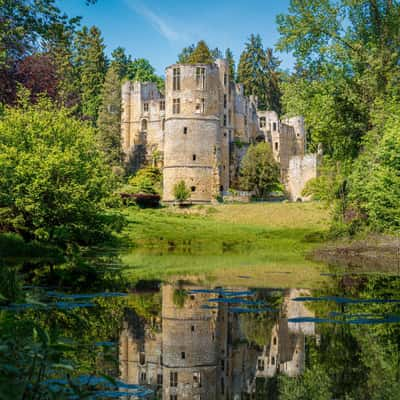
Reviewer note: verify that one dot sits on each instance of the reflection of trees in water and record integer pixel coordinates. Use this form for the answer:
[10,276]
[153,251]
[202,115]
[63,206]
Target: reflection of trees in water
[257,327]
[352,361]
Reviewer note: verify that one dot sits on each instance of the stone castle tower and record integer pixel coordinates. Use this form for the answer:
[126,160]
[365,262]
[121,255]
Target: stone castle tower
[200,130]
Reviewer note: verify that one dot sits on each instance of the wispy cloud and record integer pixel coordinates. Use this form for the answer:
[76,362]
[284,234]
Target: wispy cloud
[155,20]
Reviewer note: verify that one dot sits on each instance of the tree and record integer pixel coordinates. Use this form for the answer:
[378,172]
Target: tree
[54,185]
[216,53]
[121,62]
[375,180]
[259,172]
[348,69]
[91,64]
[201,54]
[231,62]
[142,71]
[38,74]
[181,192]
[258,72]
[27,27]
[184,55]
[147,180]
[350,61]
[109,121]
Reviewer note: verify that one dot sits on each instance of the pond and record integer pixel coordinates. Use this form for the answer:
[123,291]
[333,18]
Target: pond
[205,342]
[201,318]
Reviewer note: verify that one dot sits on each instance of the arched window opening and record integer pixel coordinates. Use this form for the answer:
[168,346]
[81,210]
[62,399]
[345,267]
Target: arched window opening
[144,125]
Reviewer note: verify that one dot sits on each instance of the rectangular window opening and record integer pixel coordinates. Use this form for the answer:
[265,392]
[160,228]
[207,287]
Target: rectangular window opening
[185,130]
[176,106]
[201,77]
[145,107]
[173,379]
[176,79]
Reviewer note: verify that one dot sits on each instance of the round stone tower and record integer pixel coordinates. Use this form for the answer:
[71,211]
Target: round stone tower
[192,129]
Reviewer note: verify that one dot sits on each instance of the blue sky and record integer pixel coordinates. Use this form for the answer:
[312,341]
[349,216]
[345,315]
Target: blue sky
[159,29]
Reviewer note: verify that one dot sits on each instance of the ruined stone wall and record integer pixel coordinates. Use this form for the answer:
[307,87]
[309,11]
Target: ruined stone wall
[142,123]
[300,133]
[301,170]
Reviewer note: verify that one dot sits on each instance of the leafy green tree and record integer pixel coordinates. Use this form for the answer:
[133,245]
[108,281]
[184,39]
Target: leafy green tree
[259,172]
[201,54]
[142,71]
[27,27]
[258,71]
[349,63]
[91,64]
[109,121]
[375,181]
[55,184]
[147,180]
[231,62]
[181,191]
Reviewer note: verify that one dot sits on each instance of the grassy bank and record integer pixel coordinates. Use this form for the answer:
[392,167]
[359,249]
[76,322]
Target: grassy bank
[261,244]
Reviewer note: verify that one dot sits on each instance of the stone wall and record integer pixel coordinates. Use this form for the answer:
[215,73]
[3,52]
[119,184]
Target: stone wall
[301,170]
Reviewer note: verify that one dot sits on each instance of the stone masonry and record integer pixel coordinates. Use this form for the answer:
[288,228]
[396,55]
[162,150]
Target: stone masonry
[199,131]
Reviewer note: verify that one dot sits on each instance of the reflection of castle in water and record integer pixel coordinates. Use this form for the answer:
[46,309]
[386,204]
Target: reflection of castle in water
[204,353]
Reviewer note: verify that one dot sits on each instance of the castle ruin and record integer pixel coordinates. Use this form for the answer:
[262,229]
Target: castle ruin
[200,130]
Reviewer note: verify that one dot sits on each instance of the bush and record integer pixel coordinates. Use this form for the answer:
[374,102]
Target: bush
[54,184]
[181,192]
[147,180]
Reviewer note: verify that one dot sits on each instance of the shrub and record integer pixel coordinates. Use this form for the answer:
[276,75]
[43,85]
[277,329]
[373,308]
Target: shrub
[259,172]
[147,181]
[181,192]
[54,182]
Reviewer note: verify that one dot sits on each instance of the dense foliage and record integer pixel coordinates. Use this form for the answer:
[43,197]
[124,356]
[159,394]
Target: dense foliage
[147,180]
[346,86]
[259,172]
[54,185]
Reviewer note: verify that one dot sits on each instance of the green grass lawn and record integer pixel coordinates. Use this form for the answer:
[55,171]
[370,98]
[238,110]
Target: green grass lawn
[261,244]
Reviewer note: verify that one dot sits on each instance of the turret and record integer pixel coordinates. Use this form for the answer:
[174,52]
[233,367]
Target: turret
[192,128]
